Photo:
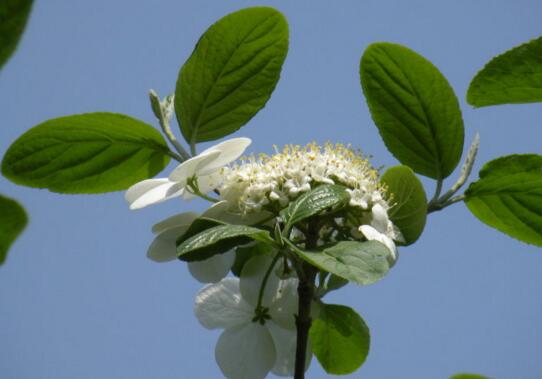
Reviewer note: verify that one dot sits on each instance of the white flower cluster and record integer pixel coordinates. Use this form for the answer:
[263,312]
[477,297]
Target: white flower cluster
[259,329]
[280,178]
[268,183]
[271,182]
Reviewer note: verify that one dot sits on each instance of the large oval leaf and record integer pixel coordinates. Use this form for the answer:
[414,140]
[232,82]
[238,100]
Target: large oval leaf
[314,202]
[88,153]
[340,339]
[13,18]
[13,220]
[414,108]
[511,78]
[409,203]
[360,262]
[218,240]
[231,73]
[508,196]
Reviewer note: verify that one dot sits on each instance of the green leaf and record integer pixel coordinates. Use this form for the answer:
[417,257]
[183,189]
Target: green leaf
[244,253]
[13,18]
[13,220]
[409,210]
[508,196]
[88,153]
[218,240]
[361,262]
[314,202]
[468,376]
[197,226]
[340,339]
[414,108]
[511,78]
[231,73]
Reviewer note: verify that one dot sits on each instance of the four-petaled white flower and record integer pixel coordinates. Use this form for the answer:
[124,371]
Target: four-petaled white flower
[252,346]
[204,167]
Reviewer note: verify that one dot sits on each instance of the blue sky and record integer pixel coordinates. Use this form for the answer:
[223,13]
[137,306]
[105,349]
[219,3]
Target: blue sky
[80,300]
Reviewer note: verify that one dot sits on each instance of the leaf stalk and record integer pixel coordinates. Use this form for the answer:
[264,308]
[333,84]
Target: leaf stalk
[439,203]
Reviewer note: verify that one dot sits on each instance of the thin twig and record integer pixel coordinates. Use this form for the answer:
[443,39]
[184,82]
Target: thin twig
[466,169]
[437,204]
[163,111]
[454,200]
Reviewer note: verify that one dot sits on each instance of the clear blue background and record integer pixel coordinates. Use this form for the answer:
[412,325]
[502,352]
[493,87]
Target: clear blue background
[78,298]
